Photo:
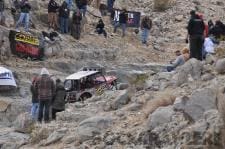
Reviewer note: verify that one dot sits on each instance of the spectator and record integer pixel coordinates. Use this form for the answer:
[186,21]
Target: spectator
[58,103]
[35,104]
[122,22]
[64,18]
[180,60]
[2,16]
[210,24]
[45,88]
[24,15]
[206,29]
[146,25]
[110,4]
[69,4]
[100,28]
[76,25]
[83,7]
[52,14]
[196,29]
[209,46]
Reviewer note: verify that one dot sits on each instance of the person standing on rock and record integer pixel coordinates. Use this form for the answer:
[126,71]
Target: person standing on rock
[146,25]
[52,14]
[76,25]
[83,7]
[110,4]
[24,15]
[2,8]
[122,22]
[46,89]
[196,29]
[64,18]
[35,104]
[58,103]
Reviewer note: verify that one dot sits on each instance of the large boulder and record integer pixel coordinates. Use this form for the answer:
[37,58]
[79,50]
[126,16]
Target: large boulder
[93,126]
[121,100]
[56,136]
[220,66]
[192,67]
[24,123]
[161,116]
[200,101]
[161,5]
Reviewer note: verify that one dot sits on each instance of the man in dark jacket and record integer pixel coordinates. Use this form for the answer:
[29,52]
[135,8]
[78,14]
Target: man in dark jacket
[76,25]
[35,104]
[46,89]
[2,8]
[64,17]
[52,16]
[196,29]
[146,25]
[122,22]
[58,103]
[24,15]
[100,28]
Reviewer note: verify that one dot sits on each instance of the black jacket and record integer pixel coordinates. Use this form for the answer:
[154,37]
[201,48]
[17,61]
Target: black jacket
[100,25]
[52,6]
[64,12]
[25,8]
[146,23]
[76,19]
[196,26]
[123,18]
[2,5]
[59,99]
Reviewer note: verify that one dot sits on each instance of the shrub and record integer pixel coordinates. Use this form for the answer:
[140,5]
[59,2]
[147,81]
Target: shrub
[161,5]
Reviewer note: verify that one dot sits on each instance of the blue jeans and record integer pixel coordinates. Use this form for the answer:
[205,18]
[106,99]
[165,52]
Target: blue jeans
[144,36]
[170,68]
[23,17]
[64,25]
[122,25]
[34,110]
[83,10]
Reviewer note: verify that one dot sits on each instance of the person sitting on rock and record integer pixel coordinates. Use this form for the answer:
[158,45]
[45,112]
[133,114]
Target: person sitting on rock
[76,25]
[24,15]
[100,28]
[180,60]
[2,16]
[218,30]
[58,103]
[209,45]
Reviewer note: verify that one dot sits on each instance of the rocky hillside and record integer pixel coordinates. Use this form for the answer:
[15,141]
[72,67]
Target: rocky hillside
[158,110]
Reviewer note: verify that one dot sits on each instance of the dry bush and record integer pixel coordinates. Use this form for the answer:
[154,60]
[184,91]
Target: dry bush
[161,5]
[162,100]
[220,52]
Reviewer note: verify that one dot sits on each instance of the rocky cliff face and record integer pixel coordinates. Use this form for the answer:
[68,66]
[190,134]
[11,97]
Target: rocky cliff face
[153,109]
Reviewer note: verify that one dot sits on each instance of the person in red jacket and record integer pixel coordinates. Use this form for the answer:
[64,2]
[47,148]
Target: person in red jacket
[206,31]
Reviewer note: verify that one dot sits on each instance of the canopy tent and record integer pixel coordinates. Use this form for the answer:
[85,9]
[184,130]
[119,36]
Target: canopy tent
[6,78]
